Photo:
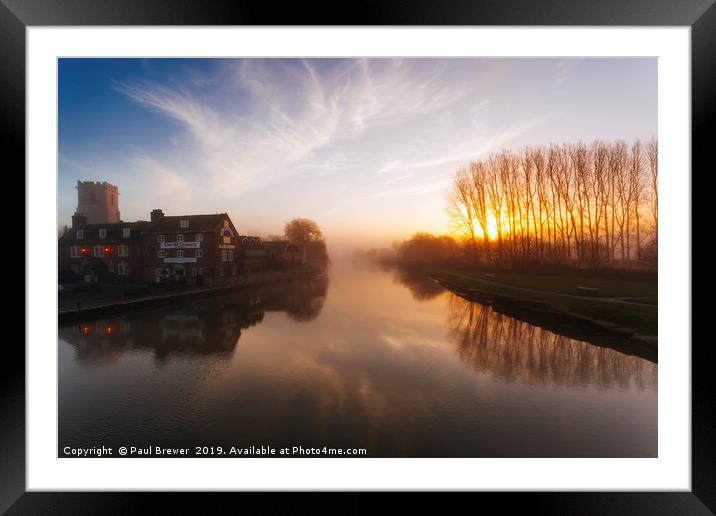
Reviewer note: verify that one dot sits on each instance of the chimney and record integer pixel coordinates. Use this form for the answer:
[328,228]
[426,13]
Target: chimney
[78,219]
[156,215]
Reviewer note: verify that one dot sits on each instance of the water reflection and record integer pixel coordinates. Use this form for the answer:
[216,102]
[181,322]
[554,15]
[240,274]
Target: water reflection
[390,362]
[209,326]
[416,280]
[515,350]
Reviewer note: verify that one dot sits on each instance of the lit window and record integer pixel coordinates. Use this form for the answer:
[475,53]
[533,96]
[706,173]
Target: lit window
[80,234]
[180,253]
[184,223]
[229,256]
[227,239]
[162,253]
[180,238]
[160,238]
[123,250]
[199,237]
[126,232]
[98,251]
[224,255]
[199,253]
[75,251]
[123,268]
[103,233]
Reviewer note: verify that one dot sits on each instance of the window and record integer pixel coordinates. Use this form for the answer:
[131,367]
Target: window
[126,232]
[98,251]
[184,223]
[180,253]
[162,253]
[110,267]
[75,251]
[199,253]
[123,268]
[180,239]
[199,237]
[224,255]
[122,250]
[75,267]
[201,271]
[160,238]
[103,233]
[229,255]
[227,239]
[80,234]
[194,272]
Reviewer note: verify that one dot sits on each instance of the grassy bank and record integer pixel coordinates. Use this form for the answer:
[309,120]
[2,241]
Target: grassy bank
[623,302]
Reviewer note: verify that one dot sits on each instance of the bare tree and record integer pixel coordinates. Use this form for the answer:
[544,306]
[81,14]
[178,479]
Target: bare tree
[572,204]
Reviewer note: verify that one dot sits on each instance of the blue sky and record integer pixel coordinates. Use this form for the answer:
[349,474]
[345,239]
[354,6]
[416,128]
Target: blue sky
[365,147]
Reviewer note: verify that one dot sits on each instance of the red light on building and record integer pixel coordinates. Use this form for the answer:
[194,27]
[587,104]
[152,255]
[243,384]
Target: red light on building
[84,329]
[84,250]
[108,329]
[107,250]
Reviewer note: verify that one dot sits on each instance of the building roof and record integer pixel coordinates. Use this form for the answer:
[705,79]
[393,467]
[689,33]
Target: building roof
[166,224]
[114,232]
[170,223]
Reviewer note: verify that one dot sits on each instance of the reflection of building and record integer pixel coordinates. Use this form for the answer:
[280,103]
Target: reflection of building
[207,326]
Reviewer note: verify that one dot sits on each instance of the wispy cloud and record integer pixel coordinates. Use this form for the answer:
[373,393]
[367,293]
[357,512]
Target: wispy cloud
[295,112]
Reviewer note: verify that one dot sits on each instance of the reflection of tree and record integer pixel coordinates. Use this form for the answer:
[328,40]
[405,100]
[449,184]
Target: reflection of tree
[516,350]
[305,299]
[210,326]
[421,287]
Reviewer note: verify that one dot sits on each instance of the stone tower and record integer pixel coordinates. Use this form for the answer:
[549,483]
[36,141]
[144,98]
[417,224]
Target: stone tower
[99,202]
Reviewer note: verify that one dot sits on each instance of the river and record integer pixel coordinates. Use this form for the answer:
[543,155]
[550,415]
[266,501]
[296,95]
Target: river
[365,358]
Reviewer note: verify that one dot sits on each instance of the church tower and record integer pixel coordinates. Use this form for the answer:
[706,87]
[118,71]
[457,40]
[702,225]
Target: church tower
[99,202]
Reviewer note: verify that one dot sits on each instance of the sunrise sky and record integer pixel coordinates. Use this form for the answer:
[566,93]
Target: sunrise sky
[365,147]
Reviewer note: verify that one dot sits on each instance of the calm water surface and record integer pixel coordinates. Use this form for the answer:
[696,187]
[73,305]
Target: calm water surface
[366,358]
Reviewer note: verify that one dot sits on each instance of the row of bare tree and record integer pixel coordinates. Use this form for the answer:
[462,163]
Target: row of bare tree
[577,204]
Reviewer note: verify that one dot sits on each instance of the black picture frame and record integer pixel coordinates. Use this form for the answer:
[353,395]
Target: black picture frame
[17,15]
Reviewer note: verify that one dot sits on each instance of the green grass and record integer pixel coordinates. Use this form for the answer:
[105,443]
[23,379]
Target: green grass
[641,318]
[567,283]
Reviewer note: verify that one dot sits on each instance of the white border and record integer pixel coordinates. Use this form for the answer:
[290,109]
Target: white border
[670,471]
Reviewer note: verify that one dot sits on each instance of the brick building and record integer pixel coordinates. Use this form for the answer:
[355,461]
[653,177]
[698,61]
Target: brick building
[192,248]
[100,252]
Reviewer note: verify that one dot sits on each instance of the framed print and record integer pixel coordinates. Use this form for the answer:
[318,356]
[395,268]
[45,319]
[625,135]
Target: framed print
[416,250]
